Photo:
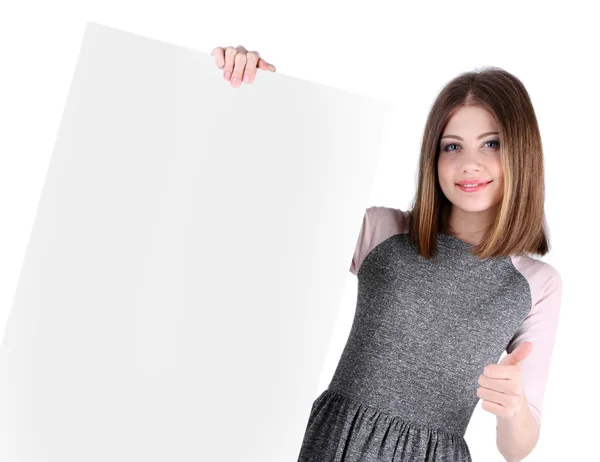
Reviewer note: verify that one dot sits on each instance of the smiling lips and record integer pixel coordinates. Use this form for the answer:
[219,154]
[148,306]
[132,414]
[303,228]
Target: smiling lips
[479,186]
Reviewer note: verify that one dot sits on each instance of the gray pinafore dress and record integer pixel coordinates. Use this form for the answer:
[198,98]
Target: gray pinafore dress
[406,383]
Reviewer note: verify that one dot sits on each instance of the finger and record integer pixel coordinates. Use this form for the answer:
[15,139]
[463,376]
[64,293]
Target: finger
[252,58]
[219,54]
[501,371]
[522,351]
[499,385]
[230,53]
[243,50]
[265,66]
[238,69]
[493,408]
[494,396]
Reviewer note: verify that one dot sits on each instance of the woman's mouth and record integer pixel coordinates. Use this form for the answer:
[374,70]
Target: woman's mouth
[471,188]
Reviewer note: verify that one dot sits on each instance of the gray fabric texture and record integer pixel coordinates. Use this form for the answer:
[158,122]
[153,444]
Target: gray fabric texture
[405,386]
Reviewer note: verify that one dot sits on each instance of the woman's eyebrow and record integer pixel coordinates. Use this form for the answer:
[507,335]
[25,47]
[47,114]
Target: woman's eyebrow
[479,137]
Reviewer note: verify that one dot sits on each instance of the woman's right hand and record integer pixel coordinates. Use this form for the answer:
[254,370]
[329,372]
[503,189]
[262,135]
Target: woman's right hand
[239,64]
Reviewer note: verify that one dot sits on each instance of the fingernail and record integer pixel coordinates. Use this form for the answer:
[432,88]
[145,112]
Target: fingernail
[235,82]
[247,78]
[226,75]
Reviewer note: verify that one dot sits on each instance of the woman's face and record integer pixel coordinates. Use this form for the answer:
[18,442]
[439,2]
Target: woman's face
[470,150]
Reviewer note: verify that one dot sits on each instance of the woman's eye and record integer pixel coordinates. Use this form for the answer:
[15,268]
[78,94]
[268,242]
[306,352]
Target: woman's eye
[448,145]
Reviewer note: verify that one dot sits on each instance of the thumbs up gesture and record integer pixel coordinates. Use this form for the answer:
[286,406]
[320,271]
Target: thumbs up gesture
[501,385]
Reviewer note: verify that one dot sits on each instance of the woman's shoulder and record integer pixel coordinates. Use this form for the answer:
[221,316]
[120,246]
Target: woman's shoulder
[543,278]
[534,268]
[387,220]
[379,224]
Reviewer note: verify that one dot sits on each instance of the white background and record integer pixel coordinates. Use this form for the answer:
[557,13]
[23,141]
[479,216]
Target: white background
[399,53]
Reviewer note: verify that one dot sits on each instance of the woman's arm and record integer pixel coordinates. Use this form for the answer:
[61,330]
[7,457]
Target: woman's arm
[517,437]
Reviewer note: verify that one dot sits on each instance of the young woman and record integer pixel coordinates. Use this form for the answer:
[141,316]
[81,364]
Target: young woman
[445,288]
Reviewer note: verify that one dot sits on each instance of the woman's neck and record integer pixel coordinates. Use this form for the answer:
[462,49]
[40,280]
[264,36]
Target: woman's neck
[470,226]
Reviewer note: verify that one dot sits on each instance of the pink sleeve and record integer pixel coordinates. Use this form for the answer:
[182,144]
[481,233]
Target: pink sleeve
[379,223]
[364,238]
[539,328]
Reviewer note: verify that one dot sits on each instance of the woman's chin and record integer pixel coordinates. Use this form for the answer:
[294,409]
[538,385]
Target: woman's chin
[474,206]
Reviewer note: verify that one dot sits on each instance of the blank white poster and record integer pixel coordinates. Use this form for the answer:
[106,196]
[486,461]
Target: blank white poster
[187,261]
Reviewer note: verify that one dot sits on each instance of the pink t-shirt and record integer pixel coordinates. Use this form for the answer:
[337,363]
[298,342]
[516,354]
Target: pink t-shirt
[544,283]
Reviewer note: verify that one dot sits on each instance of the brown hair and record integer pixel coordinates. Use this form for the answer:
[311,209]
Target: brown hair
[519,226]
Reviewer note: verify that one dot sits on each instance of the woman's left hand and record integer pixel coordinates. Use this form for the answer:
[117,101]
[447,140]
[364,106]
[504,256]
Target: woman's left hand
[501,385]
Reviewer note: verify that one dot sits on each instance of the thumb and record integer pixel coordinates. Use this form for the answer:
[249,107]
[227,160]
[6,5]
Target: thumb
[518,354]
[265,66]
